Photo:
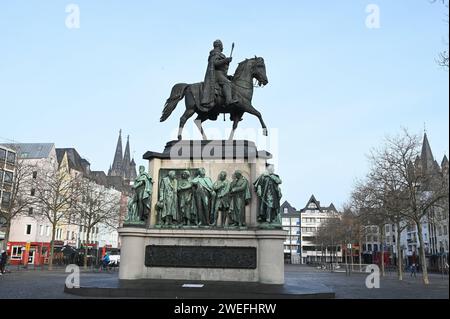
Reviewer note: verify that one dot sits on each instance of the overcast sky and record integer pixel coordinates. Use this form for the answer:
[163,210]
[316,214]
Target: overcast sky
[336,86]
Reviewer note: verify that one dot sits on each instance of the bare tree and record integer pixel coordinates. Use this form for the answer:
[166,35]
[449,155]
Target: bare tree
[94,205]
[20,198]
[56,192]
[400,187]
[443,56]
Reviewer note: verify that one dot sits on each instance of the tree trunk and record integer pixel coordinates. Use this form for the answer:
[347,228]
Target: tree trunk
[88,233]
[360,255]
[52,247]
[7,231]
[399,254]
[423,262]
[382,250]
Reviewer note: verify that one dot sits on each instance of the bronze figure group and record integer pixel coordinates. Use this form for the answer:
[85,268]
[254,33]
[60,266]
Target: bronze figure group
[198,201]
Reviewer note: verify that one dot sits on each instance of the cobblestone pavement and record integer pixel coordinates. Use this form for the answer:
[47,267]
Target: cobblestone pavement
[20,284]
[34,284]
[354,286]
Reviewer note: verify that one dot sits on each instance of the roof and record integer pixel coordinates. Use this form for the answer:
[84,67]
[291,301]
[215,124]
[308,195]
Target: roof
[31,150]
[291,211]
[312,199]
[76,162]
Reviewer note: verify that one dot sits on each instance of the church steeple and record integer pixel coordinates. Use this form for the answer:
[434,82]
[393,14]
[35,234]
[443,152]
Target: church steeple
[426,156]
[133,174]
[117,165]
[126,160]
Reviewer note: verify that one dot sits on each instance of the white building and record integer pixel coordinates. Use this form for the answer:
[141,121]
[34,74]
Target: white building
[312,216]
[290,218]
[31,228]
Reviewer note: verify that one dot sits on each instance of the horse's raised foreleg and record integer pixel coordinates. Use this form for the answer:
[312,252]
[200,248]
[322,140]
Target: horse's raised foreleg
[186,115]
[199,122]
[250,109]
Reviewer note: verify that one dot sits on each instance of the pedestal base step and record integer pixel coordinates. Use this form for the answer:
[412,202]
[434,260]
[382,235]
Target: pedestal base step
[173,289]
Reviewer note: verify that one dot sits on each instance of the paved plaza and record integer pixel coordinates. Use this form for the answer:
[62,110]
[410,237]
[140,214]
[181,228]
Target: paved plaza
[21,283]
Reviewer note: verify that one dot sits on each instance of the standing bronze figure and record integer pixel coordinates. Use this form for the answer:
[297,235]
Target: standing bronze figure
[140,204]
[222,202]
[168,199]
[203,195]
[215,96]
[268,190]
[240,196]
[186,204]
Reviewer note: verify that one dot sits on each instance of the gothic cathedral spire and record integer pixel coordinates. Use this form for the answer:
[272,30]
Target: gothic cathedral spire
[117,165]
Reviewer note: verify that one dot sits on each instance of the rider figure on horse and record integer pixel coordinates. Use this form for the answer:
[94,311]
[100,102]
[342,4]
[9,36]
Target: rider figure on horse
[216,73]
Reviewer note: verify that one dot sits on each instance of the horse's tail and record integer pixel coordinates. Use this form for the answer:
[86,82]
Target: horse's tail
[176,96]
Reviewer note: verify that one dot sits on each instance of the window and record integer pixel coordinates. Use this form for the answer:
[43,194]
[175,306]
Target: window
[47,230]
[34,175]
[33,191]
[16,252]
[11,158]
[30,211]
[445,230]
[8,177]
[2,154]
[41,230]
[6,198]
[28,230]
[1,176]
[68,235]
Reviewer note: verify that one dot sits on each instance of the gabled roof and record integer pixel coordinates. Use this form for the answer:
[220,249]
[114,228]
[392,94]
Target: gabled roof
[331,207]
[312,199]
[288,206]
[32,150]
[76,162]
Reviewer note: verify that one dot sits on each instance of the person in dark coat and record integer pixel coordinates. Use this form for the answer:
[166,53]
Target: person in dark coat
[3,260]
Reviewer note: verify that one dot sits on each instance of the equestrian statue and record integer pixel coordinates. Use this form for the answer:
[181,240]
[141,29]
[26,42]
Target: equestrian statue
[220,92]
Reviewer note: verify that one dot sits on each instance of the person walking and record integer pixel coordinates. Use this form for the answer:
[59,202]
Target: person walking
[413,270]
[3,260]
[105,261]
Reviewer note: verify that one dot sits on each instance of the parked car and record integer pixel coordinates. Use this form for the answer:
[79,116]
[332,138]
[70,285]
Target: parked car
[114,260]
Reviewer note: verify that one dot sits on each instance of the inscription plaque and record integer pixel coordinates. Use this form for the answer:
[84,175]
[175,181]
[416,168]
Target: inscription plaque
[200,256]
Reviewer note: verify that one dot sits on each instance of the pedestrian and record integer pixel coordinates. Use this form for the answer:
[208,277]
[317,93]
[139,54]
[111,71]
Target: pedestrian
[3,260]
[105,261]
[413,270]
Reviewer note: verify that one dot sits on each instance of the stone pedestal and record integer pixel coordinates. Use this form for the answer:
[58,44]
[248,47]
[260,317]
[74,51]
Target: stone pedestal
[251,254]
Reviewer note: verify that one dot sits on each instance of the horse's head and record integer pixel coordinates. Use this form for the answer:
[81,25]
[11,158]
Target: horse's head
[259,70]
[252,69]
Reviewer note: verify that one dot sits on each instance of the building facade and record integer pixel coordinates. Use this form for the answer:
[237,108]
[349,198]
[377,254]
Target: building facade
[313,215]
[291,219]
[8,159]
[30,232]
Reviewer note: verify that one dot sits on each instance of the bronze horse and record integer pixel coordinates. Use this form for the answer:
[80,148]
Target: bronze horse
[242,86]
